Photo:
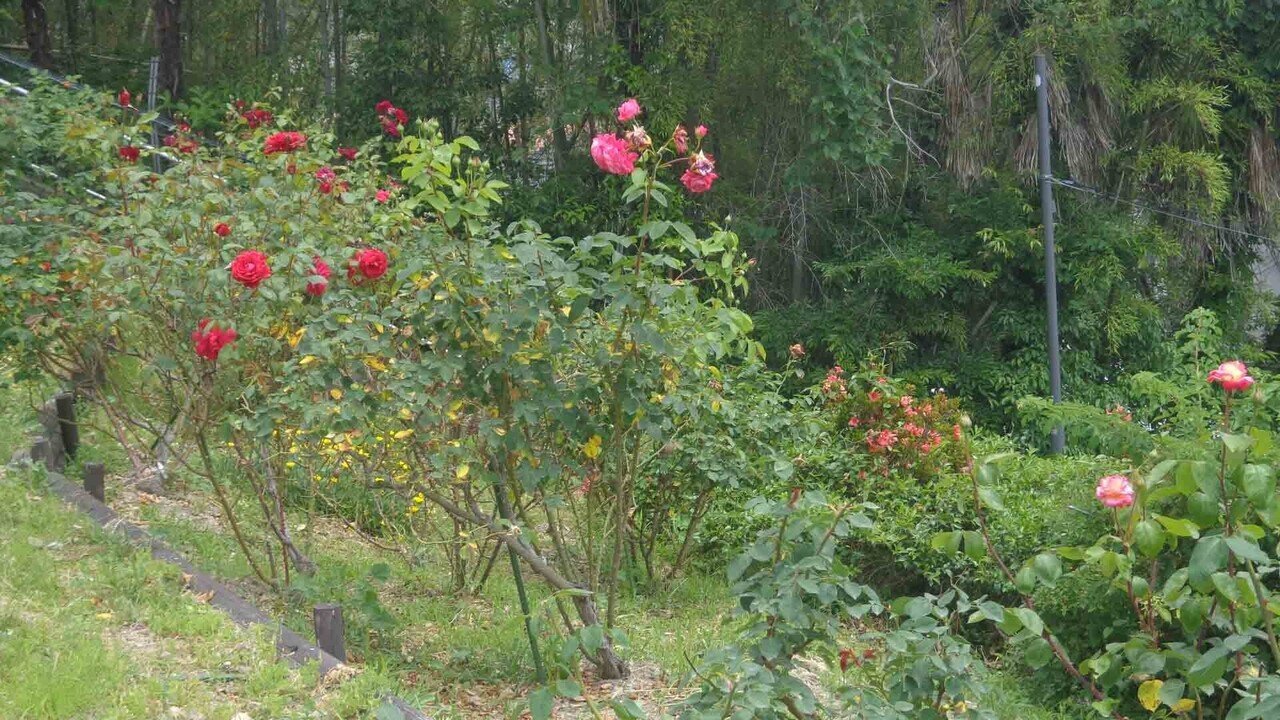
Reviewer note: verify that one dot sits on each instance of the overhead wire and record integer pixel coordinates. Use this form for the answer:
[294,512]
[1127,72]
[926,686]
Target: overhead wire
[1184,215]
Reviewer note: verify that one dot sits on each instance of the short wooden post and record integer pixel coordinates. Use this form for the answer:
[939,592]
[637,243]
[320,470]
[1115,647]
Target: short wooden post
[65,403]
[95,481]
[330,630]
[40,451]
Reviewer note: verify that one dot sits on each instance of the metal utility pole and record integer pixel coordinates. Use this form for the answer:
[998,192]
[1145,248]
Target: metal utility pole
[153,86]
[1057,440]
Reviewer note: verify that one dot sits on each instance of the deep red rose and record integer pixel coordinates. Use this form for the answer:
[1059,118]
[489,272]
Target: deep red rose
[125,98]
[257,117]
[402,117]
[250,268]
[209,342]
[288,141]
[382,107]
[320,269]
[46,266]
[222,229]
[129,152]
[370,263]
[349,153]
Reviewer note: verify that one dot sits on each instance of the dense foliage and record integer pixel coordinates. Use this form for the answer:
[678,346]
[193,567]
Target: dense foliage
[416,267]
[879,154]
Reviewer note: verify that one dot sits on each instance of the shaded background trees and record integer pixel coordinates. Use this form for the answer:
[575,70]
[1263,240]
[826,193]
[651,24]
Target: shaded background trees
[878,157]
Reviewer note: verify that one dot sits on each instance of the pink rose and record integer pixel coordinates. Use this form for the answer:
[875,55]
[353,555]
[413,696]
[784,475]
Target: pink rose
[628,110]
[701,173]
[1232,376]
[700,131]
[382,195]
[612,154]
[1115,491]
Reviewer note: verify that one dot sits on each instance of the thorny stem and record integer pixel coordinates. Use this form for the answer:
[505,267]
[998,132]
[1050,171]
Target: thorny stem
[1059,652]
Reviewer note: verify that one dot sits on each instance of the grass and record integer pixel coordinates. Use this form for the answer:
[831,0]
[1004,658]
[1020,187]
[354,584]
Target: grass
[93,627]
[97,629]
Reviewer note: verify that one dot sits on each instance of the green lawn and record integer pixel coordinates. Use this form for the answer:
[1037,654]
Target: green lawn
[91,627]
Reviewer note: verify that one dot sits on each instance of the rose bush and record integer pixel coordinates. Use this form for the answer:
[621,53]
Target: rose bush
[486,381]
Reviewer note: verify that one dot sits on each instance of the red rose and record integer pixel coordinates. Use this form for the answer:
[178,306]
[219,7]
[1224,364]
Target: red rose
[211,341]
[222,229]
[125,98]
[348,152]
[46,266]
[368,263]
[320,269]
[250,268]
[325,176]
[284,142]
[402,117]
[129,152]
[257,117]
[382,107]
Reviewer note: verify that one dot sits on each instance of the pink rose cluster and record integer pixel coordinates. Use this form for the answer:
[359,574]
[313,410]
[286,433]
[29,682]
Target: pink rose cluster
[619,155]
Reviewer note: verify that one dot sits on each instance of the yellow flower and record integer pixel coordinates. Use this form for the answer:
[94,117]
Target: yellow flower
[591,448]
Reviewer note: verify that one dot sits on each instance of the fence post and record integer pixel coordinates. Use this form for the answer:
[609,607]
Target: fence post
[330,630]
[65,404]
[95,481]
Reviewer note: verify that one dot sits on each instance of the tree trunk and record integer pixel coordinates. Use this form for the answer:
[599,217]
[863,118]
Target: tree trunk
[36,23]
[168,14]
[270,27]
[72,9]
[326,54]
[560,143]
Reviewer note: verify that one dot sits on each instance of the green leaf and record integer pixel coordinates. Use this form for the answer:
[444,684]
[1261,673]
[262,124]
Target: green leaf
[948,542]
[1048,568]
[627,709]
[974,546]
[1208,557]
[1025,580]
[568,688]
[990,498]
[1038,652]
[1172,691]
[1180,527]
[1149,538]
[1245,548]
[541,702]
[1158,472]
[592,638]
[1208,668]
[1259,484]
[1236,443]
[1030,620]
